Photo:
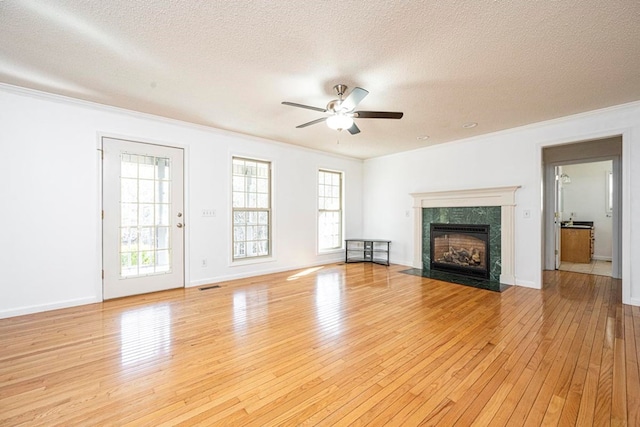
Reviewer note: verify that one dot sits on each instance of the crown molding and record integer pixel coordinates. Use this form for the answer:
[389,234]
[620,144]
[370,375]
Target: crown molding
[38,94]
[523,128]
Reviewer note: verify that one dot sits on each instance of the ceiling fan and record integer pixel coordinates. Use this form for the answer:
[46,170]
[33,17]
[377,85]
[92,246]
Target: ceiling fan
[341,112]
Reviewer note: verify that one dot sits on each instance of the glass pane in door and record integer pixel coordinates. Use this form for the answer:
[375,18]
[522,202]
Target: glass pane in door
[145,221]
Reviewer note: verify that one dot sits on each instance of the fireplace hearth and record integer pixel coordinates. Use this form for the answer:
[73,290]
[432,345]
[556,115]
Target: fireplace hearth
[461,249]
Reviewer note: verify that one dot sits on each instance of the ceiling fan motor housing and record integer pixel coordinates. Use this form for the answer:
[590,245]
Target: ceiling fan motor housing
[334,105]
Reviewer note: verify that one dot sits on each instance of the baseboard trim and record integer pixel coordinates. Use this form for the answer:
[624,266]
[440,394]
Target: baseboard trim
[507,279]
[526,284]
[633,301]
[408,264]
[31,309]
[228,277]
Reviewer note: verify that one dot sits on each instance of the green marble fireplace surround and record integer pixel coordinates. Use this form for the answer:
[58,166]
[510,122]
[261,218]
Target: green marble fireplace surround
[487,215]
[494,206]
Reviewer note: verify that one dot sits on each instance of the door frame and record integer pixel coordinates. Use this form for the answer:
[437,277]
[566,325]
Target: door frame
[551,194]
[622,164]
[99,290]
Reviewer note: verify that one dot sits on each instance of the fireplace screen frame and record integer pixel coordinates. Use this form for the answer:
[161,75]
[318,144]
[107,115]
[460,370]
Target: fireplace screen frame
[479,231]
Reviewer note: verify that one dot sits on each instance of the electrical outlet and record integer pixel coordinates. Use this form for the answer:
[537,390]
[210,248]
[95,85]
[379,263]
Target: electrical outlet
[203,264]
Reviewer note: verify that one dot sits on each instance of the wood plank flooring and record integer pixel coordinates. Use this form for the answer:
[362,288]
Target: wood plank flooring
[355,344]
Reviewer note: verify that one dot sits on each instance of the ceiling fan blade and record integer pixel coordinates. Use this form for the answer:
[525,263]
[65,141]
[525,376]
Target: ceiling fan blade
[308,107]
[377,115]
[313,122]
[354,129]
[354,98]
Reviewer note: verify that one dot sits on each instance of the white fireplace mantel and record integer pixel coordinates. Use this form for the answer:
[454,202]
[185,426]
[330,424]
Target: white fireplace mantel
[505,197]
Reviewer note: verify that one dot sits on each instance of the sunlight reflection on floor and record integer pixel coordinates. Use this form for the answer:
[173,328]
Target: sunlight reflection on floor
[304,273]
[145,333]
[329,289]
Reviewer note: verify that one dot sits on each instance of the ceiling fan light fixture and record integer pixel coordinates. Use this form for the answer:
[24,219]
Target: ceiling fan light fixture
[339,122]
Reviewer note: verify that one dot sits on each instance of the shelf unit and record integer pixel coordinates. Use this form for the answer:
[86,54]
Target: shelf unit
[367,250]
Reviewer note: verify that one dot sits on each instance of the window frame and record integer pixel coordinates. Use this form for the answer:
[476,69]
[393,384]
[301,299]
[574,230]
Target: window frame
[340,210]
[269,210]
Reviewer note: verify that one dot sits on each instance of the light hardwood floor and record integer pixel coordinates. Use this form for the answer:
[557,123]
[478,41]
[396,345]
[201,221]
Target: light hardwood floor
[598,267]
[355,344]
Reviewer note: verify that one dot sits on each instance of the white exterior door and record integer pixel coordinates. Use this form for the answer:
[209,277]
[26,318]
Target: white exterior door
[143,223]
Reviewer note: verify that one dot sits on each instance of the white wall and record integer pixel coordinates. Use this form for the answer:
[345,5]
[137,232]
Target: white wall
[50,241]
[506,158]
[50,244]
[585,196]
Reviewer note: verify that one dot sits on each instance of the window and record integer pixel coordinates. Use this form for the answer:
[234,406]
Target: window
[329,210]
[251,194]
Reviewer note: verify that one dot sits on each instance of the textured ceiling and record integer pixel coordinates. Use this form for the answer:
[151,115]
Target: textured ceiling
[229,64]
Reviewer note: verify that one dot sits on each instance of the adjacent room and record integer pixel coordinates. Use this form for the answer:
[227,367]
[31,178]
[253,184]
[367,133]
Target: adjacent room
[319,213]
[587,204]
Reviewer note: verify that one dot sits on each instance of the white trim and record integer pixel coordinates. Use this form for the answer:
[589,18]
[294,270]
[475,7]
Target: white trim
[624,223]
[403,262]
[505,197]
[271,257]
[244,275]
[31,309]
[496,196]
[526,284]
[147,116]
[533,126]
[342,211]
[98,285]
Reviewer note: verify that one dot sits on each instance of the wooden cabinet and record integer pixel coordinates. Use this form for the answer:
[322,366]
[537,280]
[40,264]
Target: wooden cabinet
[576,245]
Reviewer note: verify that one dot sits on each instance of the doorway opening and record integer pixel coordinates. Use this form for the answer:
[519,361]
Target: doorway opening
[584,213]
[582,186]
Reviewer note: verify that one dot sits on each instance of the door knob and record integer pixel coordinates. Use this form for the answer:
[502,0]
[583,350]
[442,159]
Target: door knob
[179,214]
[179,225]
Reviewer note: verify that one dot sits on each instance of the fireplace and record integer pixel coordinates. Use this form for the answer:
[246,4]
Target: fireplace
[434,207]
[460,248]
